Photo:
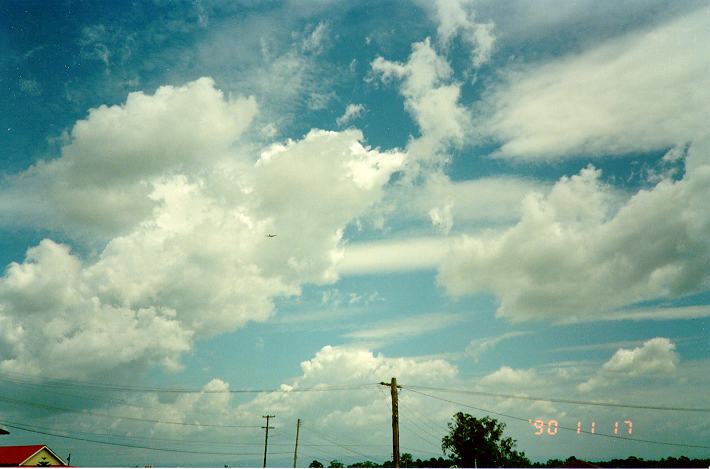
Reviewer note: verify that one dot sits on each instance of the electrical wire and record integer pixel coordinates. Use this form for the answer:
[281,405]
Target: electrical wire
[125,445]
[345,447]
[404,418]
[55,382]
[685,445]
[406,424]
[82,395]
[191,441]
[122,417]
[422,422]
[559,401]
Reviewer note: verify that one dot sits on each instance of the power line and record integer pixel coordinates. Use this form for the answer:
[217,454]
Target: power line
[126,445]
[417,434]
[141,438]
[122,417]
[411,423]
[82,395]
[435,429]
[685,445]
[55,382]
[560,401]
[345,447]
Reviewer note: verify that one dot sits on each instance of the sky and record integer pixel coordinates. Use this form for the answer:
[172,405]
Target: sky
[215,211]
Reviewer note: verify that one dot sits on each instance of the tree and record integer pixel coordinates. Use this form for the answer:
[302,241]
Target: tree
[335,463]
[365,464]
[475,442]
[315,463]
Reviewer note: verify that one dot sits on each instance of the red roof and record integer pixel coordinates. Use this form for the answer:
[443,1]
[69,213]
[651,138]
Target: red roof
[16,455]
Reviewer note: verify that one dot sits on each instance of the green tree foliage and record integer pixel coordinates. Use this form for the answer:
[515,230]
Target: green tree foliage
[479,442]
[365,464]
[406,460]
[431,462]
[335,463]
[315,463]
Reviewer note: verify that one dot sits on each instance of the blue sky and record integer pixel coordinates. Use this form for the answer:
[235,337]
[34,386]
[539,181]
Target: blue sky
[489,197]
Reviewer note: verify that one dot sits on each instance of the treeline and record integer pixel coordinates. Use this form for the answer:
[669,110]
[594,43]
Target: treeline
[407,460]
[631,461]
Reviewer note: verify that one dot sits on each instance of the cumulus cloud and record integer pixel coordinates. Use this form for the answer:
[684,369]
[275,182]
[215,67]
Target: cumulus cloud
[642,91]
[112,155]
[583,252]
[49,322]
[506,375]
[431,97]
[456,18]
[335,384]
[350,366]
[655,357]
[191,208]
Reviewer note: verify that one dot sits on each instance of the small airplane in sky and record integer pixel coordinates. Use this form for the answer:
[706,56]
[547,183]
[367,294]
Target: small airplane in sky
[270,235]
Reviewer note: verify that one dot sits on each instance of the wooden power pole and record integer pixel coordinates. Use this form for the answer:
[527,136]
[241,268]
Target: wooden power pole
[295,450]
[266,437]
[395,421]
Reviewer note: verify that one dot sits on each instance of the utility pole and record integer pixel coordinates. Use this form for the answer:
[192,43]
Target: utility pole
[395,421]
[295,451]
[266,437]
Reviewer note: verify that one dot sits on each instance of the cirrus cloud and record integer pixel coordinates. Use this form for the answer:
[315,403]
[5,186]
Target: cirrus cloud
[642,91]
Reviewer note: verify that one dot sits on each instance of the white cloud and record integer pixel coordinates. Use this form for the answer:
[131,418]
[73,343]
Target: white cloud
[431,98]
[272,57]
[112,155]
[343,366]
[466,204]
[315,41]
[392,255]
[645,90]
[397,329]
[507,376]
[442,217]
[352,111]
[582,253]
[353,372]
[661,313]
[51,322]
[318,100]
[655,357]
[168,274]
[457,18]
[450,207]
[478,347]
